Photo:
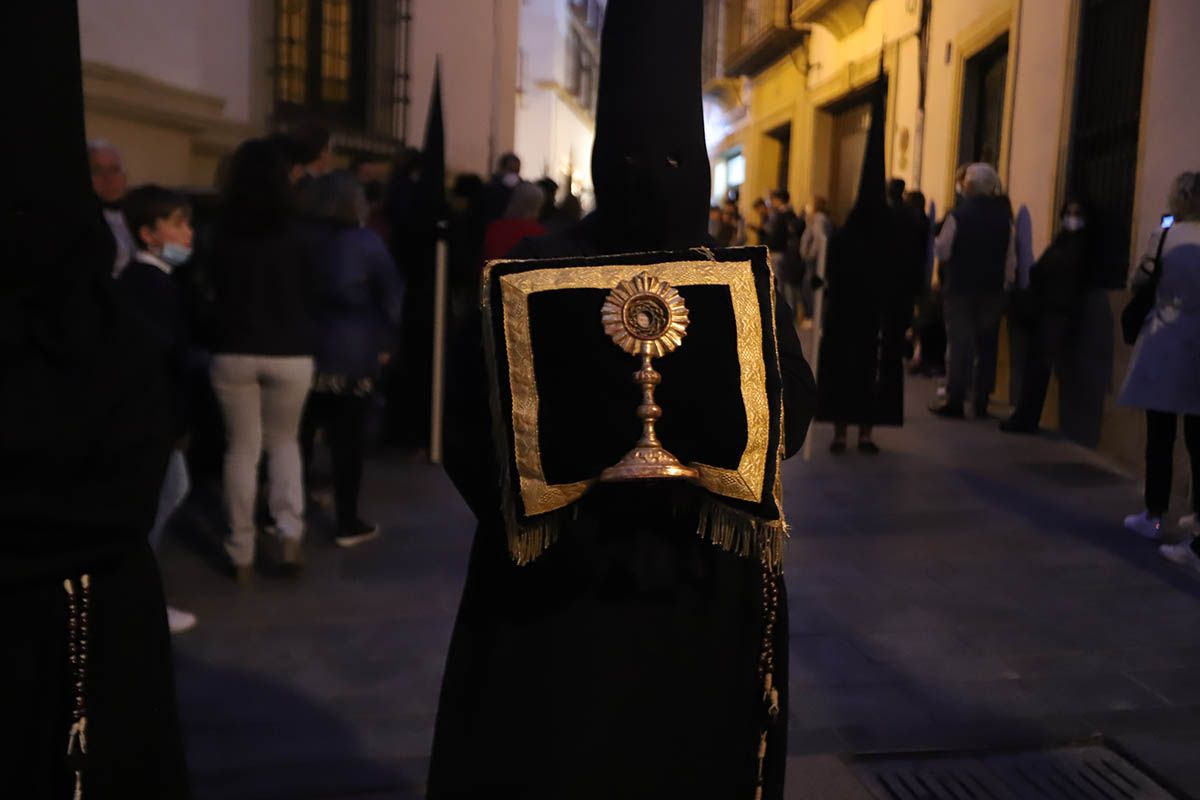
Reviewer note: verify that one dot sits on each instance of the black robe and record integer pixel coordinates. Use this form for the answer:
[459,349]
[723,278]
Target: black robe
[85,430]
[871,281]
[88,425]
[623,662]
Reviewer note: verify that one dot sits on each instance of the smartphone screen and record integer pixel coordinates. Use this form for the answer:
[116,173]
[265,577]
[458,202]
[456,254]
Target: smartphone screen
[1167,220]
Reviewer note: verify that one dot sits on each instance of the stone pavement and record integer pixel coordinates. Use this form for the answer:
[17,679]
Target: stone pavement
[963,589]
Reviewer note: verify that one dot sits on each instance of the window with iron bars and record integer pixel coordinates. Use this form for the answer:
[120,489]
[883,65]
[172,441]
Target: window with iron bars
[589,12]
[321,59]
[583,62]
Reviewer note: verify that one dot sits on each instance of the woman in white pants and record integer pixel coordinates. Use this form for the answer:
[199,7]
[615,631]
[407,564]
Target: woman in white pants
[263,279]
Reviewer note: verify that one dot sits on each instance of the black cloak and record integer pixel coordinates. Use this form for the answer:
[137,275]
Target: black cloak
[83,446]
[869,296]
[623,661]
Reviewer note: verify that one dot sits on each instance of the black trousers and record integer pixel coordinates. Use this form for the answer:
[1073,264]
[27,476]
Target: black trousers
[1044,351]
[343,417]
[1160,458]
[973,336]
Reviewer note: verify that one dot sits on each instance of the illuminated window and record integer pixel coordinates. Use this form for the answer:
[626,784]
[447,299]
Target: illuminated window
[321,57]
[335,51]
[292,51]
[736,174]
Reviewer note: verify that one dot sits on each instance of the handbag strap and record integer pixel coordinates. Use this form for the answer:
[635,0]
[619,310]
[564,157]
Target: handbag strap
[1157,273]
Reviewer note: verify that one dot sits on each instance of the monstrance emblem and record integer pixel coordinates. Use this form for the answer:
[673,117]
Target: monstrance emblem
[646,317]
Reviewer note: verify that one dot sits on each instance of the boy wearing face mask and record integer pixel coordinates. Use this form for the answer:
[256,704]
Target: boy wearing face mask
[1056,286]
[160,221]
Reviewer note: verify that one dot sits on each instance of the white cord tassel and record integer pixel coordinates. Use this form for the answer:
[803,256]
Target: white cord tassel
[77,647]
[78,733]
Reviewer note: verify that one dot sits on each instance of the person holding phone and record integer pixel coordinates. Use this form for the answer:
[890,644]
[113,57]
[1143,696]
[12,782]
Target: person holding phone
[1164,371]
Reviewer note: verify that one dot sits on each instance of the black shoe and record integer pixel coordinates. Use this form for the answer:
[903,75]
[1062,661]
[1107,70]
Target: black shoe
[1014,425]
[868,448]
[837,446]
[947,411]
[357,534]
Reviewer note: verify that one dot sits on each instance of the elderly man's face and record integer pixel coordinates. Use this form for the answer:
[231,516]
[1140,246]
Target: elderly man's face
[108,175]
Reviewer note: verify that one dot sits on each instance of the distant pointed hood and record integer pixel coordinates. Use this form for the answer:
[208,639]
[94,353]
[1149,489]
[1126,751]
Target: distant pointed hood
[432,184]
[870,205]
[649,163]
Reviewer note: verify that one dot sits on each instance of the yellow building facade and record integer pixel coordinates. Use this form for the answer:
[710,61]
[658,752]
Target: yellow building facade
[1062,96]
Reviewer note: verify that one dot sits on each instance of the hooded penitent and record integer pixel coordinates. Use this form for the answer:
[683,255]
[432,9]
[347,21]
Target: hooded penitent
[649,162]
[627,656]
[869,298]
[84,437]
[563,406]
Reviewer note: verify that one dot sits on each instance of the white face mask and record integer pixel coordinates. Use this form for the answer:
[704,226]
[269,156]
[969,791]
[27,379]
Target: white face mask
[1072,223]
[175,254]
[511,179]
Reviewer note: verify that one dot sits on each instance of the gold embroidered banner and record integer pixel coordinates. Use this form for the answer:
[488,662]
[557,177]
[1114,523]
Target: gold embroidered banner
[745,483]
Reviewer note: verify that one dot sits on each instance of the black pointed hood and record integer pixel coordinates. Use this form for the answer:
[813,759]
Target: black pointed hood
[432,184]
[870,206]
[55,247]
[649,163]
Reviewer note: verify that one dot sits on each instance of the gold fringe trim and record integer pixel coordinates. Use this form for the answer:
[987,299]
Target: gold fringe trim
[744,534]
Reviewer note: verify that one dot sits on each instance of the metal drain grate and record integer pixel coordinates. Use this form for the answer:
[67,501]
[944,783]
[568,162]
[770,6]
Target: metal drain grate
[1068,773]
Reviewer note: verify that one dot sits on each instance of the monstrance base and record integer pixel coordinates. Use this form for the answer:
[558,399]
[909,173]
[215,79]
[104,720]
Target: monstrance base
[645,463]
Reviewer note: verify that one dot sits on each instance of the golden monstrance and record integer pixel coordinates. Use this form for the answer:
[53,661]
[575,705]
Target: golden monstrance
[646,317]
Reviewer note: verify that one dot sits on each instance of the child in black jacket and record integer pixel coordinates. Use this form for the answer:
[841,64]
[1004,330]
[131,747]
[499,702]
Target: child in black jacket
[160,221]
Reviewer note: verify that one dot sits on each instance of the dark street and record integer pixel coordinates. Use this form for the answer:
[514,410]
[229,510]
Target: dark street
[961,591]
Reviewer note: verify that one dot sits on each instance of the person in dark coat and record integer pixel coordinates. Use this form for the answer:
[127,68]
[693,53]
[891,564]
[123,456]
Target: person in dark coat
[86,682]
[1056,286]
[869,304]
[360,299]
[782,232]
[929,325]
[465,253]
[622,663]
[977,252]
[500,188]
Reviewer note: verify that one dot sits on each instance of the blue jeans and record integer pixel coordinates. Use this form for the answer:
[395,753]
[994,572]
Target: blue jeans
[176,485]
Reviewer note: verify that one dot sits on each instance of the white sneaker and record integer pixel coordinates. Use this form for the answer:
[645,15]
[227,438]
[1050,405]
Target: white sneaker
[179,620]
[1144,525]
[1181,553]
[1190,524]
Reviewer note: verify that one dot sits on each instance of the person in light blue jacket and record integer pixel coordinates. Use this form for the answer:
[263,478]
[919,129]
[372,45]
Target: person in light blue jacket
[361,295]
[1164,371]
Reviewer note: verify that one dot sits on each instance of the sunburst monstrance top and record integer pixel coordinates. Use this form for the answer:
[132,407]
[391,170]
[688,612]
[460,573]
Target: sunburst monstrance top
[645,315]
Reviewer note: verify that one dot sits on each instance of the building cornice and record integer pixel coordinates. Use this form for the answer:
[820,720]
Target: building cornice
[839,17]
[129,95]
[569,100]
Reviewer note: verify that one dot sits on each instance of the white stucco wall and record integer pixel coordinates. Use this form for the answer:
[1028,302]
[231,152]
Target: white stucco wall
[205,47]
[551,136]
[477,43]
